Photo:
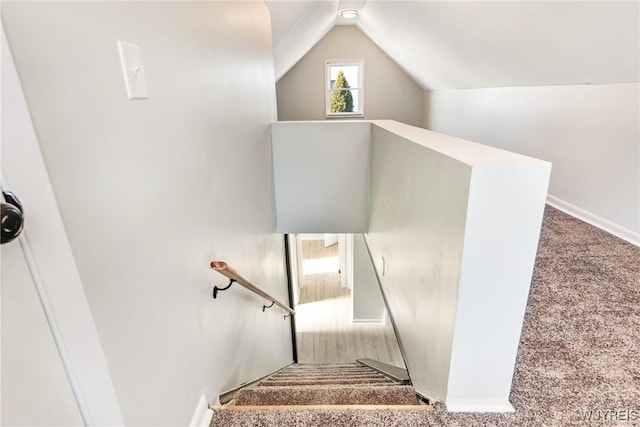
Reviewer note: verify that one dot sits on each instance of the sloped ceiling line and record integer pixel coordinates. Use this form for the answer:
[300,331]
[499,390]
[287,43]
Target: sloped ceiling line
[459,45]
[303,31]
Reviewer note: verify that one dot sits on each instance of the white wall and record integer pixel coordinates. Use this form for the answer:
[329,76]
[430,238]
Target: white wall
[389,92]
[368,304]
[421,257]
[151,190]
[503,221]
[445,216]
[321,173]
[589,132]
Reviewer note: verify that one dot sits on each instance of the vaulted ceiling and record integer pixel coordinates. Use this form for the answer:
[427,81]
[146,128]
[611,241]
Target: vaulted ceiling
[476,44]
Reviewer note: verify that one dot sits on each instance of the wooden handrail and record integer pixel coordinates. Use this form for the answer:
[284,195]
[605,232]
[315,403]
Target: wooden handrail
[222,268]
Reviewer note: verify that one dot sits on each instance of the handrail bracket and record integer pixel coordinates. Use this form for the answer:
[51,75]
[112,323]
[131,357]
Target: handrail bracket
[217,289]
[264,307]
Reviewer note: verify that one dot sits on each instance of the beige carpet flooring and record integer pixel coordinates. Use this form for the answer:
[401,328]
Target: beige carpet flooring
[579,354]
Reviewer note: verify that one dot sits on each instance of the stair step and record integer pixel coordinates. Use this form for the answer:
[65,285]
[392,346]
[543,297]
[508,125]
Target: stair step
[362,369]
[328,395]
[322,365]
[324,381]
[325,415]
[323,368]
[336,369]
[328,376]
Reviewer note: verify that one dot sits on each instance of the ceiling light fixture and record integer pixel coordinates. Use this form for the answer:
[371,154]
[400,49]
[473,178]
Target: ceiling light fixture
[349,13]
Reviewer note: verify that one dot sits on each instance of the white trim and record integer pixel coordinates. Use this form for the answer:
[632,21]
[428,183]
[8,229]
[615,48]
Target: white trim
[50,259]
[369,321]
[342,259]
[345,254]
[202,415]
[595,220]
[295,264]
[463,405]
[349,276]
[53,325]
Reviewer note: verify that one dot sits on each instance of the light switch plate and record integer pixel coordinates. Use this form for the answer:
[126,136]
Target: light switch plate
[133,70]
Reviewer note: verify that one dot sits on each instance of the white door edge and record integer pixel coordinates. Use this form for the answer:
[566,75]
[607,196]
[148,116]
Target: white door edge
[50,259]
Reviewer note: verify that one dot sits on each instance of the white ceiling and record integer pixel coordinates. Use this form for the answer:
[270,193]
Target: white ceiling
[475,44]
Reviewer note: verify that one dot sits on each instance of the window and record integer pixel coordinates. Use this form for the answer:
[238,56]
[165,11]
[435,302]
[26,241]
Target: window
[344,94]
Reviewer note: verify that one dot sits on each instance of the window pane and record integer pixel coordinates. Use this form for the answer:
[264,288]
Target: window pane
[343,87]
[350,72]
[345,101]
[356,104]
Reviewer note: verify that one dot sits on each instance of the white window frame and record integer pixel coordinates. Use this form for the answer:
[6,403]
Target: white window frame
[327,89]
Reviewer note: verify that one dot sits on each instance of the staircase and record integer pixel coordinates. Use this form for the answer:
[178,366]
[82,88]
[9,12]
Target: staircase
[348,394]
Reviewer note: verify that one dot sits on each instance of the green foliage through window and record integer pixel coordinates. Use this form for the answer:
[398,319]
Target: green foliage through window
[341,97]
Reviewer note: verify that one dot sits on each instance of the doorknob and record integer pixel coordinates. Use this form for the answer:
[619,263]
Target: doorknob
[12,217]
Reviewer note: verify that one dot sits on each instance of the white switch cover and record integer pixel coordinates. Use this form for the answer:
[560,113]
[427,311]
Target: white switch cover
[133,70]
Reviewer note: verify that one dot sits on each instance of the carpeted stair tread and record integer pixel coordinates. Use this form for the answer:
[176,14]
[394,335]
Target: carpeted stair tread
[326,377]
[283,399]
[327,368]
[377,382]
[353,370]
[335,381]
[348,417]
[324,368]
[326,371]
[327,395]
[344,374]
[321,365]
[326,374]
[329,372]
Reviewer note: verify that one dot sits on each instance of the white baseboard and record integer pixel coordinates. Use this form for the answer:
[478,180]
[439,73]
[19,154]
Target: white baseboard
[203,415]
[378,321]
[461,405]
[595,220]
